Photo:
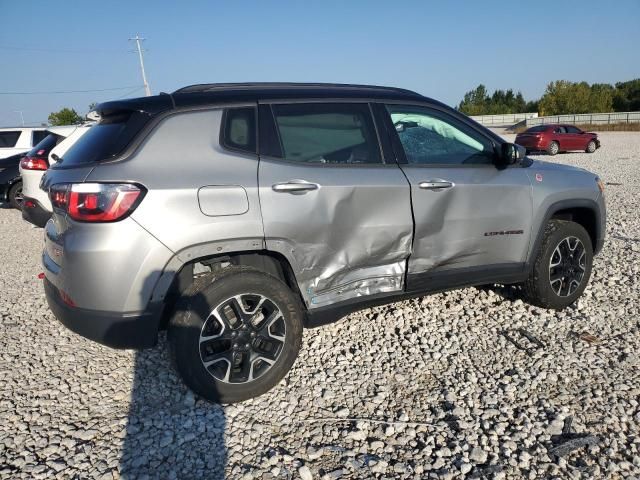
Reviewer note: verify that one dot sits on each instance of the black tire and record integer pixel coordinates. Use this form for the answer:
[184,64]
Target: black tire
[213,291]
[15,195]
[591,147]
[539,288]
[553,148]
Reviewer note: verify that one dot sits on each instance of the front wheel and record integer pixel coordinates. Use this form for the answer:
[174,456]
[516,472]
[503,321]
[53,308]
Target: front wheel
[562,268]
[591,147]
[235,334]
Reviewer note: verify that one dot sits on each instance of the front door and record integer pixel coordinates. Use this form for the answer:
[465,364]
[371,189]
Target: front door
[471,218]
[331,202]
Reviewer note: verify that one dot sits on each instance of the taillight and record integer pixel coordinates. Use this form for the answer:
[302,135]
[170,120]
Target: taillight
[96,202]
[34,163]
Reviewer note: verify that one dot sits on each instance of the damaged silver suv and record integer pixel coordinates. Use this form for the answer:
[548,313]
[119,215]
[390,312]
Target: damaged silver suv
[234,215]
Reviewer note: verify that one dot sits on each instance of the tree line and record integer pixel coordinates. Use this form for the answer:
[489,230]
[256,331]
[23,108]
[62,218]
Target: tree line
[560,97]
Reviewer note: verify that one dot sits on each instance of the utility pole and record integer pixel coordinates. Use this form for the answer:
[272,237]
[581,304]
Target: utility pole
[21,116]
[139,39]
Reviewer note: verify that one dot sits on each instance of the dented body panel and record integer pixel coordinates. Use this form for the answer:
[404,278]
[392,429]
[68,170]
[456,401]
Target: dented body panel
[349,237]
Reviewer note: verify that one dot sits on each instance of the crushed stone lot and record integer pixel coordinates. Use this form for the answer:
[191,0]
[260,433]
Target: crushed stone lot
[472,383]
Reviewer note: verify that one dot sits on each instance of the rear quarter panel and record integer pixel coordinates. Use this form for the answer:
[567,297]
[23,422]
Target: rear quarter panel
[180,158]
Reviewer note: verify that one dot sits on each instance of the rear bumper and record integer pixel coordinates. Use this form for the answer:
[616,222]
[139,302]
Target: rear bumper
[33,212]
[113,329]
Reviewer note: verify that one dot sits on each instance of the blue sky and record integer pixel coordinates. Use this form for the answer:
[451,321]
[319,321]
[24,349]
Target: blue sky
[440,49]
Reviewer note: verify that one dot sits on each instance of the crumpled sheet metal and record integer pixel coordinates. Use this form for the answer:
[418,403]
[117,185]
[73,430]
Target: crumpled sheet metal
[359,283]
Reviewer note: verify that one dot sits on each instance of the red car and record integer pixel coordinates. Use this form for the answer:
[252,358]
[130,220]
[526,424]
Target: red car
[554,138]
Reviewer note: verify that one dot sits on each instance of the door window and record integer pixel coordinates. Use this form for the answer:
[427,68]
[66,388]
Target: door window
[430,137]
[327,133]
[573,130]
[39,135]
[560,130]
[9,139]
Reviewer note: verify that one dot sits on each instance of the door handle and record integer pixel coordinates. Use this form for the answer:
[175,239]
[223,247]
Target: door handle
[294,186]
[435,185]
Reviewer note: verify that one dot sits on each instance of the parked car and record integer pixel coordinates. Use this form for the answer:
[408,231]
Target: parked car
[10,181]
[36,206]
[234,215]
[557,138]
[14,141]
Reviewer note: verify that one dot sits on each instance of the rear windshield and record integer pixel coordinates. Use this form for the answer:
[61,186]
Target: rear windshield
[45,146]
[539,128]
[106,139]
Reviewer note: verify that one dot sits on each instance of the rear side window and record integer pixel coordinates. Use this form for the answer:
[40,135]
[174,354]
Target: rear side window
[38,136]
[239,129]
[45,145]
[327,133]
[9,139]
[106,139]
[539,128]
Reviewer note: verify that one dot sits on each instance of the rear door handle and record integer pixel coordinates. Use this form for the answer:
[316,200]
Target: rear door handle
[435,185]
[294,186]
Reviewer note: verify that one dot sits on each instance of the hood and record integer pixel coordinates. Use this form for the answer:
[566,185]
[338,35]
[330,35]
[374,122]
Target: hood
[558,167]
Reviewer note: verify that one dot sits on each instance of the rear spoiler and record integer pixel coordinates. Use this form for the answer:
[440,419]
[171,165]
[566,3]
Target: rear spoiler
[149,105]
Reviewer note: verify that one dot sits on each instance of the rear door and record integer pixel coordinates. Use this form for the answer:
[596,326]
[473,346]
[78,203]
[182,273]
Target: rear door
[471,218]
[332,202]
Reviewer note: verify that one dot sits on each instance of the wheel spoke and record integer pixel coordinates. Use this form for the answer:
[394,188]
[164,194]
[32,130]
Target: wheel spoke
[567,266]
[242,338]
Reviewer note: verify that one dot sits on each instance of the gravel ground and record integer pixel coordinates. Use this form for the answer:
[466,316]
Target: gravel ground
[427,388]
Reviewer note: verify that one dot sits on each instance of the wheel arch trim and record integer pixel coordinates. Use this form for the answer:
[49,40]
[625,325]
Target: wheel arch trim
[568,204]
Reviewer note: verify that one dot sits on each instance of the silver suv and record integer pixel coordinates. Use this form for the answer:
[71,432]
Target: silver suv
[235,215]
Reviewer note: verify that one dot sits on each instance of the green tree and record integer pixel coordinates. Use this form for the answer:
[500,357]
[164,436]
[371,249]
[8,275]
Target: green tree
[479,102]
[475,101]
[66,116]
[563,97]
[626,96]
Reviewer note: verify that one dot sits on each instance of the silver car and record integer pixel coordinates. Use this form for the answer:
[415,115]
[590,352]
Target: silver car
[234,215]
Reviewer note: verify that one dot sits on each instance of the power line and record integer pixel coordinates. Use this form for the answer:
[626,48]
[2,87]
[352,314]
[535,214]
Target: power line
[72,91]
[60,50]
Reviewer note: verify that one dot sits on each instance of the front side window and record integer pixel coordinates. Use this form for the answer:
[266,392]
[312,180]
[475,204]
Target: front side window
[240,129]
[327,133]
[9,139]
[560,130]
[433,138]
[573,130]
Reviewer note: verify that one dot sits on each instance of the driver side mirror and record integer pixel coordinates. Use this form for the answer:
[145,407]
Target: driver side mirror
[511,154]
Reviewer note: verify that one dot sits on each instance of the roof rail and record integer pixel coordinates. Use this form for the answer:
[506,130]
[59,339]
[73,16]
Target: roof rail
[213,87]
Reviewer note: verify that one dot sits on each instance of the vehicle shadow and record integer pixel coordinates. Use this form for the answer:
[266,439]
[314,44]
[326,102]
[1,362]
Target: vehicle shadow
[170,432]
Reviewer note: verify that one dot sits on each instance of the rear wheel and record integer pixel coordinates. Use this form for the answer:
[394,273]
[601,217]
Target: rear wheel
[15,195]
[591,147]
[236,334]
[553,148]
[562,267]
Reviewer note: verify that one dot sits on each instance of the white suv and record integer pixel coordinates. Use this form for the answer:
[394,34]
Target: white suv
[19,140]
[37,207]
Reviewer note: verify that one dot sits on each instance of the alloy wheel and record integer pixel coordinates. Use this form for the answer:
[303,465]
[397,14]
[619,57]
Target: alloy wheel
[242,338]
[554,148]
[567,266]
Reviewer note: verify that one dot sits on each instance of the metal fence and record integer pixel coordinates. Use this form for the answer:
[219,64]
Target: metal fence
[587,118]
[503,120]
